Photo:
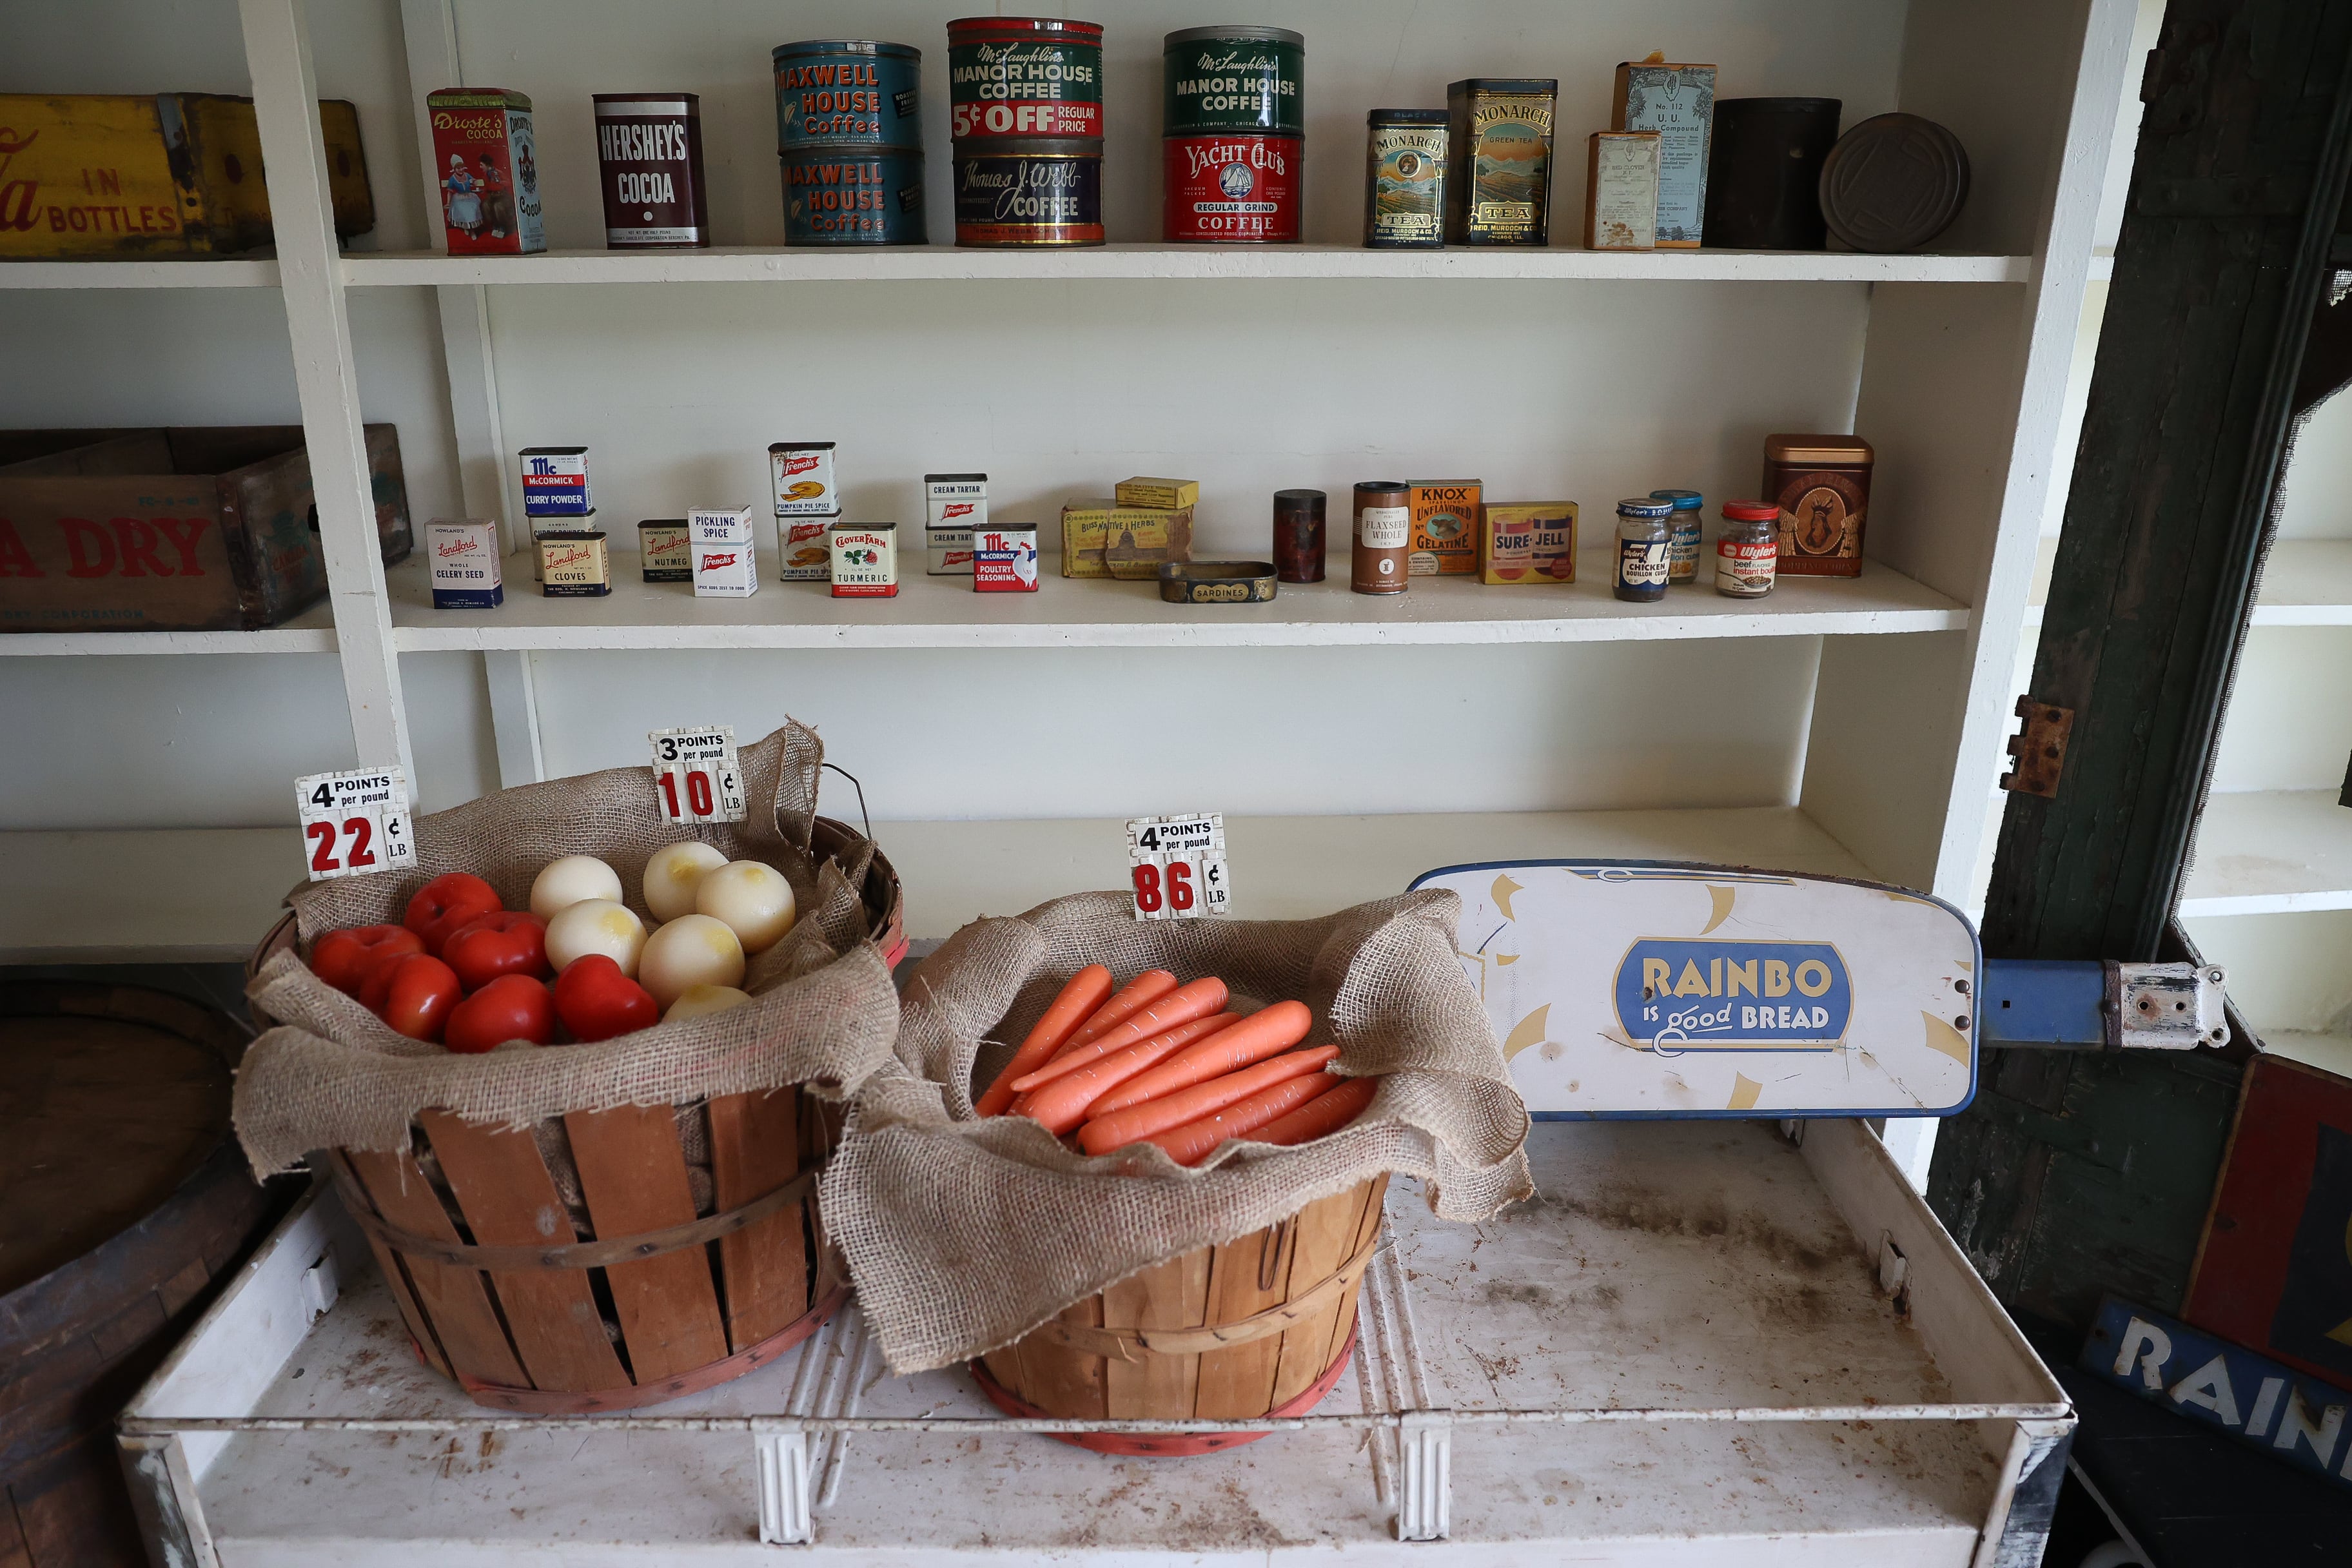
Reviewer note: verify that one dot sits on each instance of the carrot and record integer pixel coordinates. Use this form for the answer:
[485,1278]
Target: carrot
[1180,1006]
[1123,1127]
[1086,992]
[1261,1034]
[1148,986]
[1196,1141]
[1327,1112]
[1062,1104]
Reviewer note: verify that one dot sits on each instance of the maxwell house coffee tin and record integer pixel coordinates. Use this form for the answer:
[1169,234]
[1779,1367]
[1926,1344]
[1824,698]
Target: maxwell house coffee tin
[854,196]
[1025,76]
[1016,193]
[1231,187]
[649,160]
[835,92]
[1234,78]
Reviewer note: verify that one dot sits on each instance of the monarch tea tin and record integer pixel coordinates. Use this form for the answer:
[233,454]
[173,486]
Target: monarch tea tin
[1499,150]
[1234,78]
[853,197]
[649,162]
[1527,541]
[1025,76]
[1227,187]
[1016,193]
[802,472]
[847,92]
[1822,485]
[1404,179]
[486,162]
[865,560]
[665,550]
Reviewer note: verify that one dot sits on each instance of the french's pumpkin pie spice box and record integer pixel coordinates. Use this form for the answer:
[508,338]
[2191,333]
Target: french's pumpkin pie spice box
[1444,528]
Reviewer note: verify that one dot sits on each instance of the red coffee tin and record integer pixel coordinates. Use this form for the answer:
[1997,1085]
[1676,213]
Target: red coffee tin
[1223,189]
[1025,76]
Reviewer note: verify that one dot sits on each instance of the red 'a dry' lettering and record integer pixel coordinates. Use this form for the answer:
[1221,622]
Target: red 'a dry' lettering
[88,546]
[184,532]
[138,544]
[16,561]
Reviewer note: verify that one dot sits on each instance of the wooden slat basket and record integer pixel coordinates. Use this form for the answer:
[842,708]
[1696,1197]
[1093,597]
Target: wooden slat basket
[479,1247]
[1260,1326]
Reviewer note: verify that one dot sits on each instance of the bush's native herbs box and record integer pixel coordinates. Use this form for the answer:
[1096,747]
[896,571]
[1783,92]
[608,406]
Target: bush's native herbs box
[194,529]
[1677,101]
[1101,538]
[1498,161]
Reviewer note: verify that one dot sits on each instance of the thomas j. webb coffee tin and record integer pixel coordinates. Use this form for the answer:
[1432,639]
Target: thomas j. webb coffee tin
[649,163]
[1025,76]
[1404,179]
[1011,192]
[1500,161]
[847,92]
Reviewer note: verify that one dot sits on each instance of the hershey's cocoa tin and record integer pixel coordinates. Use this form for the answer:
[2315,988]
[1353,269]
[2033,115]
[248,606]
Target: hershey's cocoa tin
[1025,76]
[1017,193]
[649,162]
[801,474]
[1229,187]
[1234,78]
[848,196]
[1404,179]
[847,92]
[1500,152]
[1383,537]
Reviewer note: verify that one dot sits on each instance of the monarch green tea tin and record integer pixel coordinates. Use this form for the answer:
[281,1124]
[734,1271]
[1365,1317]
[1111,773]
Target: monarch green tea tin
[1500,153]
[1404,179]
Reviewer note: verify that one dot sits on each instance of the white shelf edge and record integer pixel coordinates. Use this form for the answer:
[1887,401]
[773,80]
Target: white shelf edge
[195,272]
[118,645]
[756,265]
[2268,852]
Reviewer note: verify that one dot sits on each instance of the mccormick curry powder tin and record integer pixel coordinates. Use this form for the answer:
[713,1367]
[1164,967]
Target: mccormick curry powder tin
[486,163]
[847,92]
[1404,179]
[1500,152]
[555,481]
[1234,78]
[1025,76]
[849,196]
[1009,191]
[1225,187]
[1822,485]
[649,162]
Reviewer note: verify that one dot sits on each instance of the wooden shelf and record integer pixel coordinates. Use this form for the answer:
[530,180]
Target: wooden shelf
[944,612]
[194,272]
[2264,852]
[2305,582]
[313,631]
[738,264]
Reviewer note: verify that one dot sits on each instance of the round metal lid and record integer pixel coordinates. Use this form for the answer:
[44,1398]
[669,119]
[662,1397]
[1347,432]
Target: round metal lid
[1894,183]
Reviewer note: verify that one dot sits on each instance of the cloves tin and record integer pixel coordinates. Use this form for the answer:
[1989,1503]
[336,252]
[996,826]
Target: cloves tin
[1234,78]
[1227,187]
[847,92]
[847,196]
[1404,179]
[1016,193]
[1499,153]
[1383,537]
[1025,76]
[649,163]
[573,565]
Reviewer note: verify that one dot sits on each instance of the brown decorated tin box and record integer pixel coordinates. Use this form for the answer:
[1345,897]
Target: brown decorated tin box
[1822,485]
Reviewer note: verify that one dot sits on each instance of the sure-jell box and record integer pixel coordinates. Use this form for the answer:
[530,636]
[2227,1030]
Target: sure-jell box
[956,504]
[1527,542]
[464,562]
[802,472]
[1004,561]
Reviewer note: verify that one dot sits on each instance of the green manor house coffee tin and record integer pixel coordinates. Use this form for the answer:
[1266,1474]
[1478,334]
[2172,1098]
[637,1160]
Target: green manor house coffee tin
[1228,78]
[1025,76]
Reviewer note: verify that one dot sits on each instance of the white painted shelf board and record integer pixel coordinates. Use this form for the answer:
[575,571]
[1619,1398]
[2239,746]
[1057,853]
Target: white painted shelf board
[193,895]
[313,631]
[194,272]
[1291,867]
[2305,582]
[944,612]
[2329,1053]
[2264,852]
[741,264]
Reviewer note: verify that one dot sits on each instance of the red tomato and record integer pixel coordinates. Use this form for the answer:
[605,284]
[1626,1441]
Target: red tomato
[596,1001]
[511,941]
[376,974]
[342,958]
[511,1007]
[446,902]
[420,990]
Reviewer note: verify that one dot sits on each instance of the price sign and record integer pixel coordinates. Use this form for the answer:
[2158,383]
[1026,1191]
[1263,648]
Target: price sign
[696,774]
[355,822]
[1178,864]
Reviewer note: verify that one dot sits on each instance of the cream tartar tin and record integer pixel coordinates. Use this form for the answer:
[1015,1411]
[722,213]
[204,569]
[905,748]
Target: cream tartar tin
[865,560]
[956,504]
[465,557]
[574,565]
[1004,561]
[720,525]
[803,472]
[665,550]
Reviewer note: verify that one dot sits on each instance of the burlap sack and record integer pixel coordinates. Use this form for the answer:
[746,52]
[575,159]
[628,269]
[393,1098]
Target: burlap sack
[963,1234]
[823,1012]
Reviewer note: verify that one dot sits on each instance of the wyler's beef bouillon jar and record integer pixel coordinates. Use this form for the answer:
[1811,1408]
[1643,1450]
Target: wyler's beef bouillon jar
[1025,95]
[849,129]
[1235,134]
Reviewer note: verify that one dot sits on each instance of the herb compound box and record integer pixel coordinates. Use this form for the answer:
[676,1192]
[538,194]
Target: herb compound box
[1677,101]
[1621,191]
[954,505]
[1444,528]
[865,560]
[803,475]
[464,556]
[1025,76]
[485,161]
[649,162]
[1500,152]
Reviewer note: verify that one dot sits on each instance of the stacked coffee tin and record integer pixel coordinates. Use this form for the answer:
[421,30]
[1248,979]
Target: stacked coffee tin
[1235,132]
[1026,94]
[850,130]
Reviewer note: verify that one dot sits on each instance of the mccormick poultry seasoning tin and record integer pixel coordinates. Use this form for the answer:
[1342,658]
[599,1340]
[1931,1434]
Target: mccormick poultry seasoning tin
[649,162]
[865,560]
[1009,191]
[1404,179]
[847,92]
[1499,153]
[486,162]
[1025,76]
[1005,560]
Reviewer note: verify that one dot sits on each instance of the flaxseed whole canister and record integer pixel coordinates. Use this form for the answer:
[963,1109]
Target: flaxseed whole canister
[1822,485]
[847,92]
[1025,76]
[1234,78]
[1298,535]
[853,195]
[1382,536]
[1404,179]
[1011,192]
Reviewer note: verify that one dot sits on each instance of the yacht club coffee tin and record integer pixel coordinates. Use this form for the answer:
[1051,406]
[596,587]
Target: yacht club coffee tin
[1499,159]
[649,163]
[1404,179]
[1226,186]
[1025,76]
[1009,191]
[854,196]
[847,92]
[1234,78]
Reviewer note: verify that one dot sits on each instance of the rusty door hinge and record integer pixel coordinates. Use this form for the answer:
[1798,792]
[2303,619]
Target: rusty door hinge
[2039,748]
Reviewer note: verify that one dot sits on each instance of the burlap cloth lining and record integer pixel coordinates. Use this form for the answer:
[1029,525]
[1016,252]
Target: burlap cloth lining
[823,1012]
[963,1234]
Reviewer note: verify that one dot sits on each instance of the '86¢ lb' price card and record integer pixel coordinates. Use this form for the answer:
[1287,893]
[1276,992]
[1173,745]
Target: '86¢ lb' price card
[697,776]
[354,822]
[1178,864]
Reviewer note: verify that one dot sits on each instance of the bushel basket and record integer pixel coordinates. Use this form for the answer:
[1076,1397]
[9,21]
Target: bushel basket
[605,1225]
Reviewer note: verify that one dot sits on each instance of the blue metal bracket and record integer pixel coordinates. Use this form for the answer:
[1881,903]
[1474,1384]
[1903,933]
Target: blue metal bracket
[2090,1005]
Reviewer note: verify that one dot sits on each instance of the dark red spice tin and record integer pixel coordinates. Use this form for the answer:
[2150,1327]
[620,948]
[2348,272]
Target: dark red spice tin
[649,162]
[1233,187]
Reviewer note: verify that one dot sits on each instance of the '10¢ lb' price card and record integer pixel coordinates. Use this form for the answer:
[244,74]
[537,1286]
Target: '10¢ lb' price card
[1178,864]
[354,822]
[697,776]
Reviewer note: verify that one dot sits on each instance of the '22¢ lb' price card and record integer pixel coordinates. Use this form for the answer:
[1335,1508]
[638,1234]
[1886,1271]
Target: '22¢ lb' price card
[1177,867]
[697,776]
[354,822]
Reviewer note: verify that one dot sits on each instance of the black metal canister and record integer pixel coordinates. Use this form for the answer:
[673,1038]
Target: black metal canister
[1299,524]
[1763,182]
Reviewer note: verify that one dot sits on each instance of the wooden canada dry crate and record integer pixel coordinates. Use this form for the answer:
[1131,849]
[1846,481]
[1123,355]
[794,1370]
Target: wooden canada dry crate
[1260,1326]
